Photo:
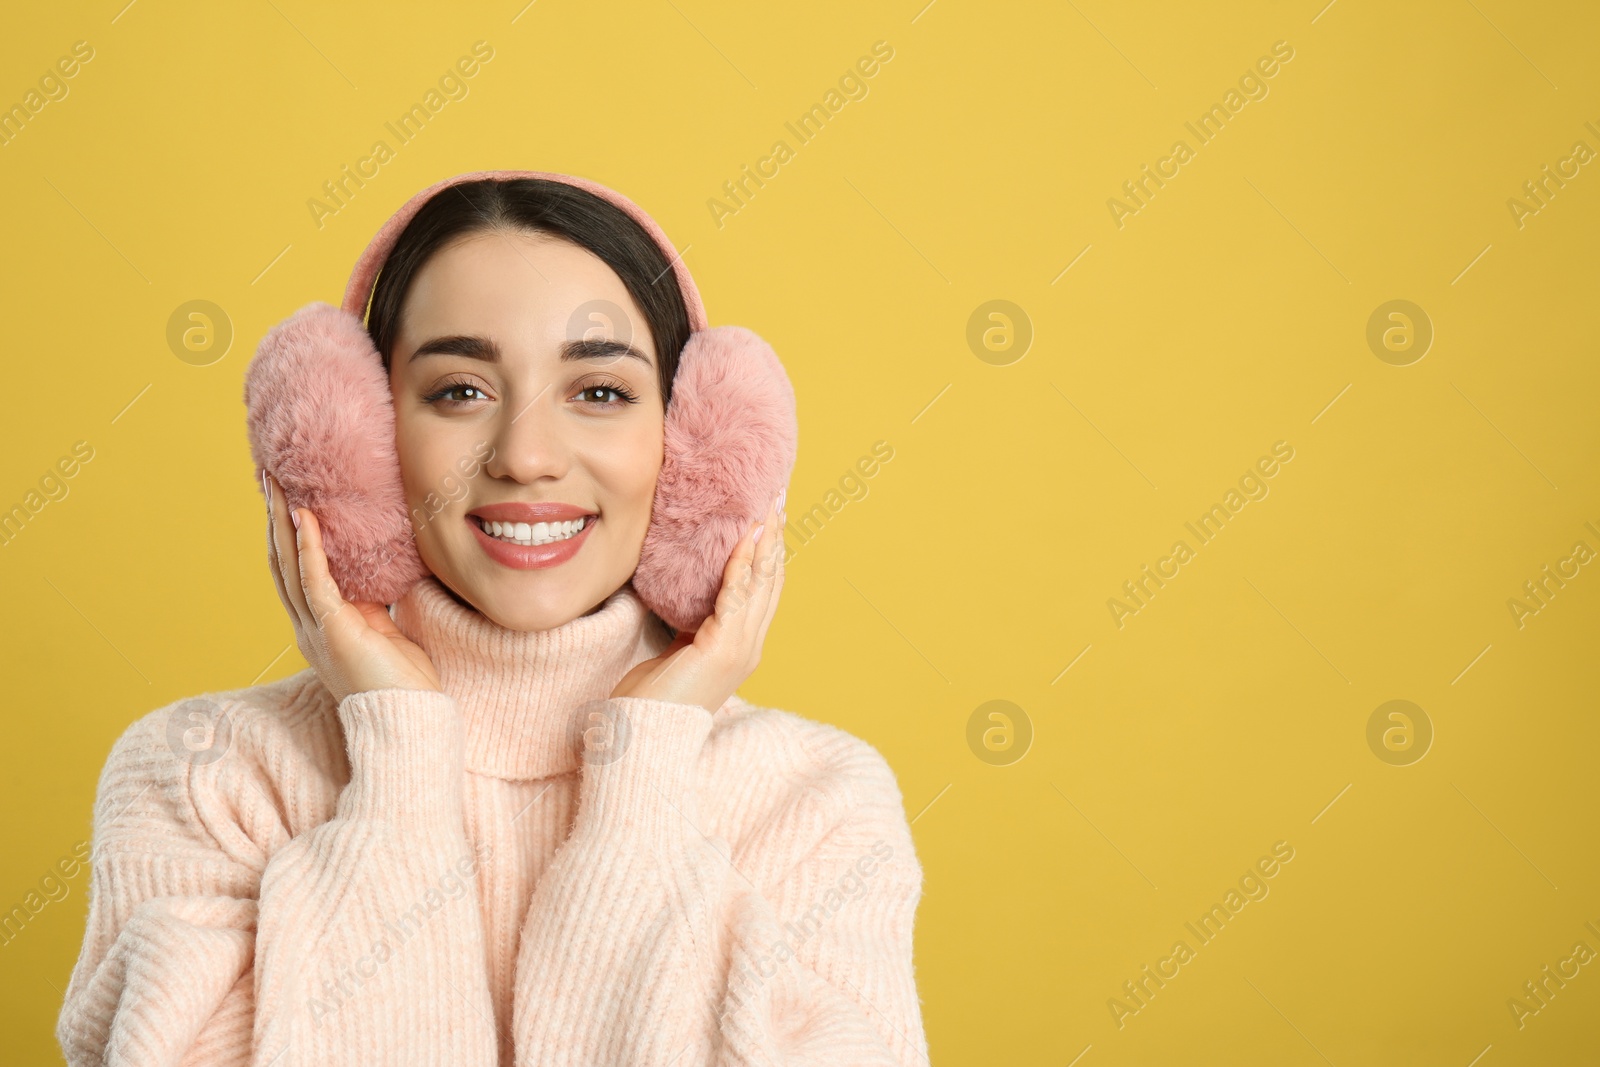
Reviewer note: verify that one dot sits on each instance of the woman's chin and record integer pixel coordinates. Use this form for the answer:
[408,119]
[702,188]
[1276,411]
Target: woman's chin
[531,600]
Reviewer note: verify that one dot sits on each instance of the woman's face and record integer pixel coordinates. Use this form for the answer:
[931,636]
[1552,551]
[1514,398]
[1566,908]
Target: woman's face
[524,380]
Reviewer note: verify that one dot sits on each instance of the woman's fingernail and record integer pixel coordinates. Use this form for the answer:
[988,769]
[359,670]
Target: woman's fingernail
[294,516]
[266,489]
[782,496]
[763,526]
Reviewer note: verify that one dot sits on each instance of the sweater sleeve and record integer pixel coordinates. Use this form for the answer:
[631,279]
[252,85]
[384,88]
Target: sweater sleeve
[649,942]
[215,937]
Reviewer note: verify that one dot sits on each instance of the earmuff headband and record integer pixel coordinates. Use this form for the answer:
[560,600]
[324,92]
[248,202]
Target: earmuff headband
[359,289]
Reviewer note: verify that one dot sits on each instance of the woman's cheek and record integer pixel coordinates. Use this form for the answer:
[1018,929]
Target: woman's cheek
[428,472]
[636,468]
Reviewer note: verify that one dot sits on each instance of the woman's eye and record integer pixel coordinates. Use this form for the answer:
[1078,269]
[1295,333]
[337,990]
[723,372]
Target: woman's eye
[597,394]
[450,394]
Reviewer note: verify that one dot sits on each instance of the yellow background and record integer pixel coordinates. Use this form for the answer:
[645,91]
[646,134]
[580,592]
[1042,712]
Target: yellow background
[1228,314]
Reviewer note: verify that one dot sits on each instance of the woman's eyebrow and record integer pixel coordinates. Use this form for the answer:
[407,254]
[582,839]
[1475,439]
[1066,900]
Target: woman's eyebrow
[485,349]
[460,345]
[601,348]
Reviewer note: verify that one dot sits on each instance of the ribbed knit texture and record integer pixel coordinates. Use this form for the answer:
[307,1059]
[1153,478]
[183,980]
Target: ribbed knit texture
[517,871]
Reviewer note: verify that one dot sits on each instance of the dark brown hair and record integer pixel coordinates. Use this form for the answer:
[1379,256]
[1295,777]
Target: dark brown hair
[537,205]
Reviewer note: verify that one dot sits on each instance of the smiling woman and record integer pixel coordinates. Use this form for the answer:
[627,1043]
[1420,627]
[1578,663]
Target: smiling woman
[473,315]
[650,840]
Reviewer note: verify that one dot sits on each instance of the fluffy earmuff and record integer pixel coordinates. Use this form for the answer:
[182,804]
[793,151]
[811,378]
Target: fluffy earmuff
[730,445]
[320,418]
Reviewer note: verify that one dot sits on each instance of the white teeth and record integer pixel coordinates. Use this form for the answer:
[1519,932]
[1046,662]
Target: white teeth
[539,533]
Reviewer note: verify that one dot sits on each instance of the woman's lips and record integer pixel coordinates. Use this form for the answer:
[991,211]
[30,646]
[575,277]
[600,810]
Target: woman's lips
[529,511]
[530,557]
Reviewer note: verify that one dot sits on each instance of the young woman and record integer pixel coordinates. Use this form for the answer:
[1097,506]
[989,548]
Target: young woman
[406,853]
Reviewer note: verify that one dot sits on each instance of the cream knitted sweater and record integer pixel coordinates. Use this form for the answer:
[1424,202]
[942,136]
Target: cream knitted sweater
[515,871]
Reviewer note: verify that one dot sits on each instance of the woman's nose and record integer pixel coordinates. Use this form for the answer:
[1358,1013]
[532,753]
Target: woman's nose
[528,442]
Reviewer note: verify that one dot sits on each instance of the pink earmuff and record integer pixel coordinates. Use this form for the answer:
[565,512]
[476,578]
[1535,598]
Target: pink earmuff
[321,418]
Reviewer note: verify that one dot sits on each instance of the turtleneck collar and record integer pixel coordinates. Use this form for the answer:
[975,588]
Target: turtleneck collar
[519,691]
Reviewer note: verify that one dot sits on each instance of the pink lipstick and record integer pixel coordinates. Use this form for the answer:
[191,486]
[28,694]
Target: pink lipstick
[529,557]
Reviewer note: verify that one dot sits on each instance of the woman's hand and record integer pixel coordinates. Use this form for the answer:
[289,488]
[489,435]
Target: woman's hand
[705,666]
[353,647]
